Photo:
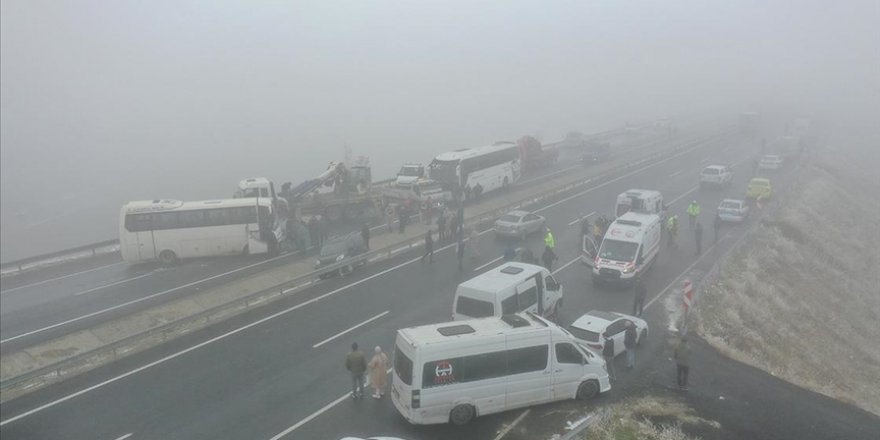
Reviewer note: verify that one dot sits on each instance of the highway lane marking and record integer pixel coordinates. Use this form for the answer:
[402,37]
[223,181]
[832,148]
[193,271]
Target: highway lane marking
[676,173]
[512,425]
[601,185]
[581,218]
[125,436]
[560,269]
[125,304]
[317,413]
[112,284]
[479,268]
[59,278]
[350,329]
[270,317]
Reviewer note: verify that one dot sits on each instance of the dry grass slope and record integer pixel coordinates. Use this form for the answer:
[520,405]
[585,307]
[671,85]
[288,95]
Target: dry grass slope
[649,418]
[802,299]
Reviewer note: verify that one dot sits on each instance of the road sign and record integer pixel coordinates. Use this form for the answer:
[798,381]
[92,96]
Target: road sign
[687,294]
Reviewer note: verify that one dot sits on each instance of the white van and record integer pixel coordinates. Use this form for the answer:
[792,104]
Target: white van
[639,200]
[509,288]
[455,371]
[630,247]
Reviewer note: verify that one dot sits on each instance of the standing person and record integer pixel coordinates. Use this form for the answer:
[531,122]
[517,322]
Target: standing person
[314,236]
[672,227]
[357,366]
[429,247]
[608,355]
[365,234]
[429,210]
[693,210]
[401,218]
[641,292]
[629,342]
[527,256]
[509,252]
[389,218]
[441,225]
[698,235]
[549,240]
[682,354]
[548,257]
[474,242]
[717,225]
[478,191]
[460,254]
[378,376]
[453,226]
[597,232]
[323,229]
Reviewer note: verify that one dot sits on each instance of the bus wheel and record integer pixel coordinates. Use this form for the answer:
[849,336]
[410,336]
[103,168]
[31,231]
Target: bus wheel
[168,258]
[461,414]
[588,390]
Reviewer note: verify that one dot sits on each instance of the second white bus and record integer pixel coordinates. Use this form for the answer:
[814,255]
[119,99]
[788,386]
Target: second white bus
[168,230]
[491,167]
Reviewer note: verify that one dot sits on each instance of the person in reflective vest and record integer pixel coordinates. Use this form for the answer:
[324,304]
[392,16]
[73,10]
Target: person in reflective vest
[549,241]
[693,211]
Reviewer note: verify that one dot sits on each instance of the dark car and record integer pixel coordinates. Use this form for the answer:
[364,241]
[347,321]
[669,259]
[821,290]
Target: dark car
[338,251]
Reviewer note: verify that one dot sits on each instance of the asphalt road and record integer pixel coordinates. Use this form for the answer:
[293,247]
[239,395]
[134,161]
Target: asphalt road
[43,304]
[280,367]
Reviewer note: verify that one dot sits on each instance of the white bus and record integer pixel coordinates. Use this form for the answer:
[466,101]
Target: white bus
[491,167]
[168,230]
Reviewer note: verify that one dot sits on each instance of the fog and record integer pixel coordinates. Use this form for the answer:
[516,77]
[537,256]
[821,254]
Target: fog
[107,101]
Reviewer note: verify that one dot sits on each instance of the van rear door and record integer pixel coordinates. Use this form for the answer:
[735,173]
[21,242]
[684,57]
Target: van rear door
[403,381]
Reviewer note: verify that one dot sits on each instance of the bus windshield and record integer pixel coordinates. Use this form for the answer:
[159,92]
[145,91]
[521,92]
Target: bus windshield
[618,250]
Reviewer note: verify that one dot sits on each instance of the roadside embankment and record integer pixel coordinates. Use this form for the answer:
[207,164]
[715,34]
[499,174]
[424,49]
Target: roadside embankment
[801,299]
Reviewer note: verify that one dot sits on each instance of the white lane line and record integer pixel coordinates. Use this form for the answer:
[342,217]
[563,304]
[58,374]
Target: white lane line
[560,269]
[601,185]
[125,436]
[488,264]
[113,284]
[125,304]
[581,218]
[676,173]
[682,195]
[59,278]
[317,413]
[350,329]
[512,425]
[209,341]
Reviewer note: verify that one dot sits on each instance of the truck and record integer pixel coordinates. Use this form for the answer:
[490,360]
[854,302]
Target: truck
[420,191]
[409,173]
[534,155]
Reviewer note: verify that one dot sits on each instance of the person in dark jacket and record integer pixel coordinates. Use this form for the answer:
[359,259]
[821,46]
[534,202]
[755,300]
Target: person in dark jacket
[641,292]
[365,234]
[548,257]
[429,248]
[629,342]
[608,355]
[460,252]
[682,354]
[356,364]
[527,256]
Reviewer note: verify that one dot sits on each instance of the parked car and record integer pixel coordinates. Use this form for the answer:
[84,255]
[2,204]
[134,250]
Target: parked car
[733,210]
[716,175]
[339,250]
[519,224]
[770,162]
[759,187]
[591,326]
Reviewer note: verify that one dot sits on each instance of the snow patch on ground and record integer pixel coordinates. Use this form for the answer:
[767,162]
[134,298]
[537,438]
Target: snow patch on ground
[802,299]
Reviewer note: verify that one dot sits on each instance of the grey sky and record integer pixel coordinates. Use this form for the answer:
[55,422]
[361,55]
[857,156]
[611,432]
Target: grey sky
[107,101]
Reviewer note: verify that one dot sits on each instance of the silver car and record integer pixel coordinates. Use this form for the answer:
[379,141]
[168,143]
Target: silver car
[518,224]
[733,210]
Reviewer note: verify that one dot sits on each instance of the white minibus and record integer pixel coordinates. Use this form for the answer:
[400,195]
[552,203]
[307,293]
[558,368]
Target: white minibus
[453,372]
[509,288]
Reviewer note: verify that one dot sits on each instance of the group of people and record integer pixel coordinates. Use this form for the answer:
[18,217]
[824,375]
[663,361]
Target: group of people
[693,212]
[357,365]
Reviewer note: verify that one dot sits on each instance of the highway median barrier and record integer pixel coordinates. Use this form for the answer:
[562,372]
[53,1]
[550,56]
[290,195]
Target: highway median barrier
[52,361]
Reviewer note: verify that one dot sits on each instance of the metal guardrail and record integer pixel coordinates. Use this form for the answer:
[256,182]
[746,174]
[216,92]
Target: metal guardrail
[20,265]
[71,366]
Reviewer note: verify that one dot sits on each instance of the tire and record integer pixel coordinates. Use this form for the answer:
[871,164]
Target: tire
[642,336]
[588,390]
[168,257]
[461,415]
[346,270]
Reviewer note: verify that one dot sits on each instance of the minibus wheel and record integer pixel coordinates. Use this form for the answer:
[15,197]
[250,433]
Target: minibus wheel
[167,257]
[461,414]
[587,390]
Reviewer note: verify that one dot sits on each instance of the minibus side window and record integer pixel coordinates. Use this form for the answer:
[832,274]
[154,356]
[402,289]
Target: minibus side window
[568,354]
[525,360]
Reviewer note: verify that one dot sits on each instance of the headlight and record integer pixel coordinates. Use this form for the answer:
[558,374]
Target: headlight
[629,268]
[340,257]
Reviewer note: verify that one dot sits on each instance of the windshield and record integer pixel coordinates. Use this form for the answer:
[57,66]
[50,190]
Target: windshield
[618,250]
[710,171]
[444,171]
[586,335]
[409,171]
[333,248]
[729,205]
[759,183]
[509,218]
